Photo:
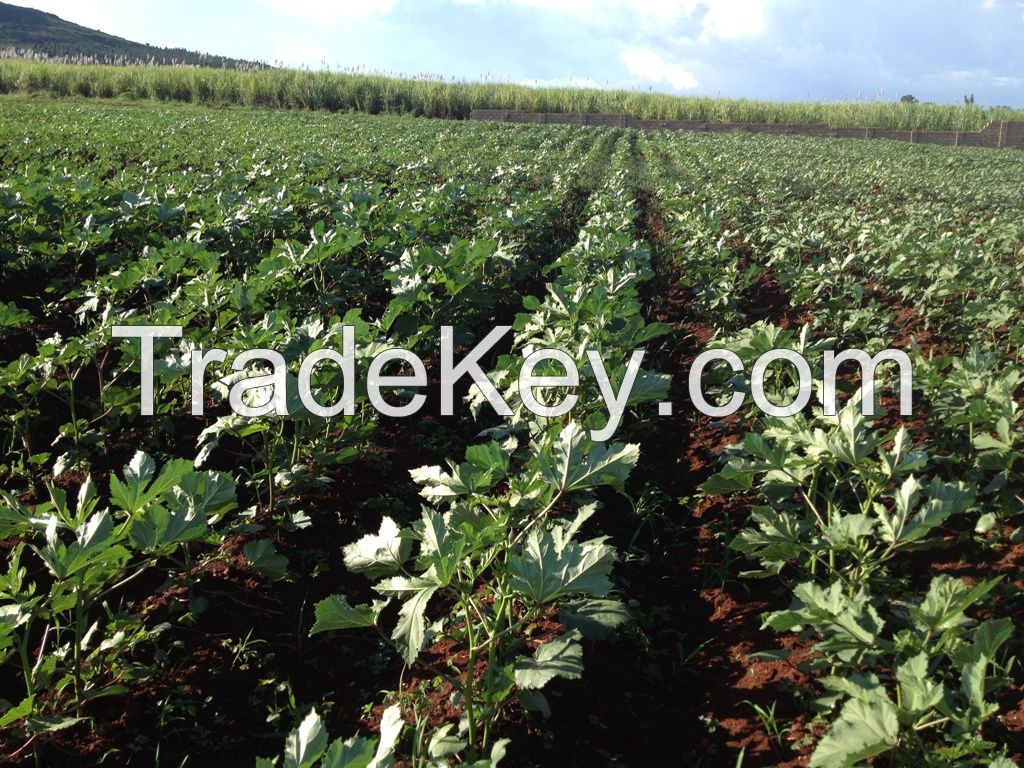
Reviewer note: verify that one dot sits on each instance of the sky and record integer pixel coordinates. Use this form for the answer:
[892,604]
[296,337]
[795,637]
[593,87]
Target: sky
[789,50]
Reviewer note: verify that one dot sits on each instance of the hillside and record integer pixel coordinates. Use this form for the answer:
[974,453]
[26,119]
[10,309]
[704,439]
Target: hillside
[28,33]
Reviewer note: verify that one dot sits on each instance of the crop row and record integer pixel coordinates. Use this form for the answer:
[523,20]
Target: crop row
[436,97]
[279,247]
[788,252]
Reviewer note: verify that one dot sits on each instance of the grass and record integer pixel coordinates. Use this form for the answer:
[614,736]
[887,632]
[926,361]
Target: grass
[437,97]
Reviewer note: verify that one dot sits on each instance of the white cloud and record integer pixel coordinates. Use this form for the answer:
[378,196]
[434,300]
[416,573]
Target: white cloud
[978,77]
[734,19]
[570,7]
[662,10]
[652,35]
[332,10]
[650,65]
[720,19]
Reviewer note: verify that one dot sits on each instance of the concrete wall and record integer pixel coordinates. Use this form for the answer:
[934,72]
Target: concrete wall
[996,135]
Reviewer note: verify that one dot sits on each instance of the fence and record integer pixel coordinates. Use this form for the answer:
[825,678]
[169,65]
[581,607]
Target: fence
[996,134]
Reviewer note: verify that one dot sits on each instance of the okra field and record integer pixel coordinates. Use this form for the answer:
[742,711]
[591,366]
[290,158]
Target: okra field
[362,590]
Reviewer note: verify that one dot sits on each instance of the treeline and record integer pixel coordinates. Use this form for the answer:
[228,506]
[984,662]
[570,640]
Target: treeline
[169,57]
[436,97]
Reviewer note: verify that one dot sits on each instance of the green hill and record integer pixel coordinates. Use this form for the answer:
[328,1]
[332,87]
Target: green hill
[28,33]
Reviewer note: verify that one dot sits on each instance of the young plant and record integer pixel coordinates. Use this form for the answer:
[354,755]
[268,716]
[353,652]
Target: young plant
[91,553]
[494,555]
[840,496]
[914,686]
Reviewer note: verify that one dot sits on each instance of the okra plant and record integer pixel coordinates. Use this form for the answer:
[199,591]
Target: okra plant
[913,683]
[91,550]
[839,500]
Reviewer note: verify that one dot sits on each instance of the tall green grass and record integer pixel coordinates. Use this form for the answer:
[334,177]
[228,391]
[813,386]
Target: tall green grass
[435,97]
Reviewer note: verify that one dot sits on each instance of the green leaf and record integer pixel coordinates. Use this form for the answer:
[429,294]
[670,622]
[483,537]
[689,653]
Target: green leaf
[434,537]
[140,469]
[334,612]
[734,477]
[391,725]
[863,729]
[51,724]
[11,316]
[947,598]
[379,554]
[485,465]
[15,713]
[561,657]
[96,531]
[974,661]
[205,493]
[570,467]
[139,488]
[356,752]
[410,632]
[851,625]
[108,692]
[444,743]
[990,635]
[265,560]
[61,465]
[779,538]
[438,484]
[972,685]
[156,526]
[543,574]
[866,687]
[305,744]
[498,750]
[944,500]
[649,387]
[441,546]
[594,619]
[501,683]
[563,532]
[14,517]
[920,694]
[846,530]
[13,615]
[535,701]
[489,457]
[94,543]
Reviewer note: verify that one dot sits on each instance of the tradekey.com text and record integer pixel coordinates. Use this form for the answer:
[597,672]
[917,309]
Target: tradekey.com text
[263,390]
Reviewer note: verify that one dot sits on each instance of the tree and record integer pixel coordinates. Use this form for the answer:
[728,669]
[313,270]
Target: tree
[908,99]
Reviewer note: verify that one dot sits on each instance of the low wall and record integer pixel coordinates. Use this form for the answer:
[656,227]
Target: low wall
[996,135]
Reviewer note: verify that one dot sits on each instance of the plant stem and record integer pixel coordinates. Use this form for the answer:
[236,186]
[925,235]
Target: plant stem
[77,644]
[931,723]
[468,691]
[26,668]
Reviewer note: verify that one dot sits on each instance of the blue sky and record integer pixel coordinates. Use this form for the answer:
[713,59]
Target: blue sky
[937,50]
